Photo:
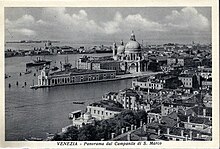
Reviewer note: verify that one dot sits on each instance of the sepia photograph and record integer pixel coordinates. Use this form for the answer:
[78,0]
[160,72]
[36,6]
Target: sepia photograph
[108,74]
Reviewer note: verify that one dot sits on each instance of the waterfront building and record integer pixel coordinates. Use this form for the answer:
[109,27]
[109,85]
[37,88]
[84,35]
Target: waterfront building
[131,55]
[73,76]
[126,58]
[104,109]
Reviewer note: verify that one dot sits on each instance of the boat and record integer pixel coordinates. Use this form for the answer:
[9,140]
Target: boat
[78,102]
[38,62]
[75,114]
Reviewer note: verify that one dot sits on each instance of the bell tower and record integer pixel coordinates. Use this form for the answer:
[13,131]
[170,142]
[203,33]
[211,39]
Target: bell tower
[114,51]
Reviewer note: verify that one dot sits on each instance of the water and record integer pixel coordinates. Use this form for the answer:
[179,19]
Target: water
[30,46]
[34,112]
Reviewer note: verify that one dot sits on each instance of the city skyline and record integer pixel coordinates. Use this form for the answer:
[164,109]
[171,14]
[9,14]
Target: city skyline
[151,24]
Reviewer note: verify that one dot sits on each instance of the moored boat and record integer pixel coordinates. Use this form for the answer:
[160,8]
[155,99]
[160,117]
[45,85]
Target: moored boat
[38,62]
[78,102]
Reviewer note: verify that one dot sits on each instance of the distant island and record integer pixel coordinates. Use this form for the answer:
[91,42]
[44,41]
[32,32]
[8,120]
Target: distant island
[32,41]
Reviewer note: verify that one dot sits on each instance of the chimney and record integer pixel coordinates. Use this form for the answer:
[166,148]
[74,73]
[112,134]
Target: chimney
[148,119]
[182,132]
[145,127]
[127,129]
[197,135]
[113,135]
[132,127]
[186,137]
[141,123]
[177,119]
[204,112]
[158,132]
[188,119]
[135,127]
[168,131]
[122,130]
[190,134]
[178,125]
[129,137]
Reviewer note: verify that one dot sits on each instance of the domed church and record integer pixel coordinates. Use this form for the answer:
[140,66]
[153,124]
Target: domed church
[130,55]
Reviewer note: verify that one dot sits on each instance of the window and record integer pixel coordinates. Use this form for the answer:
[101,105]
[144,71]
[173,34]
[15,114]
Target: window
[102,112]
[98,112]
[94,111]
[106,113]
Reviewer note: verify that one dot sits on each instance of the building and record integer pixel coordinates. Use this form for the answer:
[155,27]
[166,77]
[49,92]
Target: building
[156,82]
[185,61]
[104,109]
[131,55]
[189,80]
[73,76]
[129,99]
[84,119]
[171,60]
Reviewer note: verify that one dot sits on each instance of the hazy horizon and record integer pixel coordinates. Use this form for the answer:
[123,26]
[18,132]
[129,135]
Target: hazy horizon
[153,25]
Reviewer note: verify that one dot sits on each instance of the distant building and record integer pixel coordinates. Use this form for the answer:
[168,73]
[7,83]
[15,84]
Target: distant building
[131,55]
[189,80]
[185,61]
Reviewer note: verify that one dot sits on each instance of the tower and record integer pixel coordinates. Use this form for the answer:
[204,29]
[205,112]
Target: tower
[114,51]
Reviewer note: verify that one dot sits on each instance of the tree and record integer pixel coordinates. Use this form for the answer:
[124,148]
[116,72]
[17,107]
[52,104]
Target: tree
[87,133]
[71,134]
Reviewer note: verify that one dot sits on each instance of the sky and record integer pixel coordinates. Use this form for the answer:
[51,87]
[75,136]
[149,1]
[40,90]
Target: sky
[81,24]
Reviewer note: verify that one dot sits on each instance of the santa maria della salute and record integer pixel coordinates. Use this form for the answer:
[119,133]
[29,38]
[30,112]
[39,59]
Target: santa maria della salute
[130,55]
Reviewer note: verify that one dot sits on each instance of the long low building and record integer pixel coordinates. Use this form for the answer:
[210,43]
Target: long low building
[73,76]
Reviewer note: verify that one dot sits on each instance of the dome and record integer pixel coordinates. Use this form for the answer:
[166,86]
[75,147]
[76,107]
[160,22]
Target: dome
[120,49]
[132,46]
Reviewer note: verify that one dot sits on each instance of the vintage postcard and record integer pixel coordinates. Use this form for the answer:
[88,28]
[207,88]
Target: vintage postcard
[106,74]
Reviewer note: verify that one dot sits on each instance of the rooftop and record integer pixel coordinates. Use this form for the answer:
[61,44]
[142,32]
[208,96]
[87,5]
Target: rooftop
[75,71]
[108,104]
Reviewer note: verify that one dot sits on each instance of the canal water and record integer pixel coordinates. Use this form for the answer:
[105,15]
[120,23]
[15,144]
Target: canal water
[33,113]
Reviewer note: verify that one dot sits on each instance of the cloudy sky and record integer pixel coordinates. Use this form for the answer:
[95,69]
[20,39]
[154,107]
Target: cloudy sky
[152,25]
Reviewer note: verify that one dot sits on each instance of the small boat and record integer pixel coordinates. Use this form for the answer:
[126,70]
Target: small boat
[78,102]
[38,62]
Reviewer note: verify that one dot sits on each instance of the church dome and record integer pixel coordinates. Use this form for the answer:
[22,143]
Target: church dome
[132,46]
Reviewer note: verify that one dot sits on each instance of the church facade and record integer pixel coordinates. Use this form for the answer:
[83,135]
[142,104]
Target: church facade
[130,56]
